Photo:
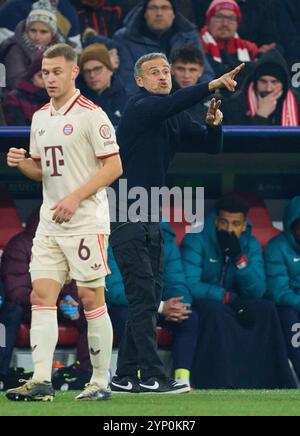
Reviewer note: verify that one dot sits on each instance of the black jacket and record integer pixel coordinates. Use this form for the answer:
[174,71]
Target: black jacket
[154,127]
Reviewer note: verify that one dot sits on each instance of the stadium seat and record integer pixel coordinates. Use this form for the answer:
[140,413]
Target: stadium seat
[260,217]
[67,336]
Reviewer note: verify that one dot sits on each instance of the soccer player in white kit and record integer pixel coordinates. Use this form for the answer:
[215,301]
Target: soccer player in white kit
[74,152]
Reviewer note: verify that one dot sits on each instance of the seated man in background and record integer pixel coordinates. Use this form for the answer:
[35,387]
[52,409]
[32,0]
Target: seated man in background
[10,319]
[187,70]
[99,83]
[267,97]
[240,335]
[174,312]
[90,37]
[282,259]
[17,287]
[156,26]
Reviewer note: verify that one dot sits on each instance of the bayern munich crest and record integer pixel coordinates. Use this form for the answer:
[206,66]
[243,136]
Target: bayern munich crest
[68,129]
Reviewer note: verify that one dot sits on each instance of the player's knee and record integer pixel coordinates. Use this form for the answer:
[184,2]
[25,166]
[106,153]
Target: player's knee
[39,300]
[91,299]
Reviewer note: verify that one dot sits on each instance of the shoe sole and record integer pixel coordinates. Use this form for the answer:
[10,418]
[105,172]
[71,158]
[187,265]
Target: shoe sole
[94,399]
[18,397]
[125,392]
[177,391]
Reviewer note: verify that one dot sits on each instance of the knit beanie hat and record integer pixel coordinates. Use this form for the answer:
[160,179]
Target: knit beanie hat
[173,3]
[43,12]
[95,52]
[218,5]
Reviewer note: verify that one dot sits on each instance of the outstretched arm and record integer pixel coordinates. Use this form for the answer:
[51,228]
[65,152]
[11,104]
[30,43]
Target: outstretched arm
[153,109]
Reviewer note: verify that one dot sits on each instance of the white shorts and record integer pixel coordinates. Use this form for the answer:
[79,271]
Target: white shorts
[82,258]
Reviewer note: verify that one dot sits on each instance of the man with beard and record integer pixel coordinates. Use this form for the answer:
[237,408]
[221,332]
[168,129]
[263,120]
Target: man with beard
[267,97]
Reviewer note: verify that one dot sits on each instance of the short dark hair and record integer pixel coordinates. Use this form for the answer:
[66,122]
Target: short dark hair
[233,203]
[63,50]
[188,55]
[146,58]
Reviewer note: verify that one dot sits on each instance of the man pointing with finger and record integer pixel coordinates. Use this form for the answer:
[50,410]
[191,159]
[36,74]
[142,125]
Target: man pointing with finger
[153,128]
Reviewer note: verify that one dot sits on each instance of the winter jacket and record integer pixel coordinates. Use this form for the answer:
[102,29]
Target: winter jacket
[282,260]
[203,265]
[20,104]
[136,40]
[16,56]
[236,109]
[258,22]
[14,11]
[153,128]
[174,278]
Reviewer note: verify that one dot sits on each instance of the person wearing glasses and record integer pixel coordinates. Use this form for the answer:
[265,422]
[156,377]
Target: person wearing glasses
[99,83]
[156,26]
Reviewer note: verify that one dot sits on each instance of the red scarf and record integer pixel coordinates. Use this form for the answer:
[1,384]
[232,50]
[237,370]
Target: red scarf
[290,113]
[246,50]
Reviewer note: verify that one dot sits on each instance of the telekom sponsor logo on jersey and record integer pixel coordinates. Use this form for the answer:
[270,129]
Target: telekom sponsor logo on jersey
[54,155]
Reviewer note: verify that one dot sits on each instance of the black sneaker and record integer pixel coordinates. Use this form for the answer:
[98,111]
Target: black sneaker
[71,378]
[13,377]
[162,385]
[125,385]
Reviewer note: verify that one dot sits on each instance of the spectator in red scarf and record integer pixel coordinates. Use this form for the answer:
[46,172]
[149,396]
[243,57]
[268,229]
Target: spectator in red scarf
[223,47]
[266,97]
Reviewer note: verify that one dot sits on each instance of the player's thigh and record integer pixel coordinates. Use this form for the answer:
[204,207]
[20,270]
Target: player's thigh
[45,292]
[87,259]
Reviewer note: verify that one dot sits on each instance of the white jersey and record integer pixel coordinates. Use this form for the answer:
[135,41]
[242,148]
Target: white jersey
[69,144]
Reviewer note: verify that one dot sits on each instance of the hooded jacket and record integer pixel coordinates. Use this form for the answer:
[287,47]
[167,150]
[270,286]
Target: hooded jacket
[136,41]
[203,265]
[174,278]
[282,260]
[20,105]
[237,110]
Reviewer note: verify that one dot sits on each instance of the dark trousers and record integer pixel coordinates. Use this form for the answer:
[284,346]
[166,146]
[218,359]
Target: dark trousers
[10,318]
[138,250]
[185,335]
[232,354]
[288,317]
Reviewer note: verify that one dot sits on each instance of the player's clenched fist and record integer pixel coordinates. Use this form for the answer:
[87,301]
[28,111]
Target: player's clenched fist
[15,156]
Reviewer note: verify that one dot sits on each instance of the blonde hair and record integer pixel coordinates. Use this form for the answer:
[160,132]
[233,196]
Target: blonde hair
[63,50]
